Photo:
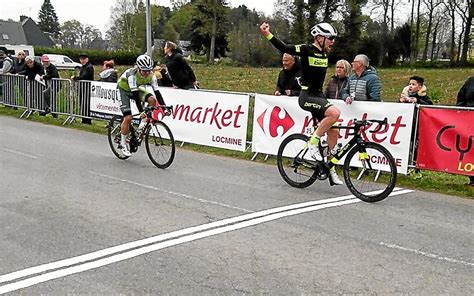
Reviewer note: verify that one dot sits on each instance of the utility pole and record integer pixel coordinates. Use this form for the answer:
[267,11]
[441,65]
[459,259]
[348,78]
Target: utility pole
[148,28]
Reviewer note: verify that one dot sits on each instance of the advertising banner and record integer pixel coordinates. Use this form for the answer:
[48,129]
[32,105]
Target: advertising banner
[277,117]
[205,118]
[446,141]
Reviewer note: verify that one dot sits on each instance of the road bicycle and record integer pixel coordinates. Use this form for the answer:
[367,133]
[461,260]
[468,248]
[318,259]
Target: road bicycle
[370,171]
[159,141]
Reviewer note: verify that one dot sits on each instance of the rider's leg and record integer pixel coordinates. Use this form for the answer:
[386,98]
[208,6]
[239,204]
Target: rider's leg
[333,133]
[124,130]
[151,100]
[330,118]
[333,113]
[127,119]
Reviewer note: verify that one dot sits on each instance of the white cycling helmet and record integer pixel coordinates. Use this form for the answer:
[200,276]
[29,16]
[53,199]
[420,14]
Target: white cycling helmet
[144,62]
[324,29]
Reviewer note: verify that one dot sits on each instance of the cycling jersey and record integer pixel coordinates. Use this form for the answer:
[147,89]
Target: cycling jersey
[314,63]
[130,80]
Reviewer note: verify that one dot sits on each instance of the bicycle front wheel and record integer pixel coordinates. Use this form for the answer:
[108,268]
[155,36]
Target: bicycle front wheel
[159,143]
[292,165]
[370,172]
[113,134]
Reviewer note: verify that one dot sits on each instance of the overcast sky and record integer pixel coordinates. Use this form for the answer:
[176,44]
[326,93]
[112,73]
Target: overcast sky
[95,12]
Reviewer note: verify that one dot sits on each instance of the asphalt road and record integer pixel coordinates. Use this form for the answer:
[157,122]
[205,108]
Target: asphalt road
[75,219]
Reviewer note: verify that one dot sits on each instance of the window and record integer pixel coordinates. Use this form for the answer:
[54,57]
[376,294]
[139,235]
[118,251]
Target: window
[67,60]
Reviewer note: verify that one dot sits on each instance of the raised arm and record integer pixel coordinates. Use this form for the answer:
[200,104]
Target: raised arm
[280,45]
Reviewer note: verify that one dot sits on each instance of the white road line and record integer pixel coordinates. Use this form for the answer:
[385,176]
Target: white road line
[426,254]
[18,153]
[174,238]
[172,192]
[137,252]
[158,238]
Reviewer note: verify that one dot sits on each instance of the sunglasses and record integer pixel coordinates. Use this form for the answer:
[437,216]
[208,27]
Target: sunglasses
[331,38]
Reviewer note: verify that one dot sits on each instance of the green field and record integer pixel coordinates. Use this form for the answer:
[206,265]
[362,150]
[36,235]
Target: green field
[443,85]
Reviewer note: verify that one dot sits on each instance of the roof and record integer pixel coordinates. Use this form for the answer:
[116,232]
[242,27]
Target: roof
[24,32]
[12,33]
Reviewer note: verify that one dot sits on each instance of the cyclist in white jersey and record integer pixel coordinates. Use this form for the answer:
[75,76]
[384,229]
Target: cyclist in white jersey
[132,86]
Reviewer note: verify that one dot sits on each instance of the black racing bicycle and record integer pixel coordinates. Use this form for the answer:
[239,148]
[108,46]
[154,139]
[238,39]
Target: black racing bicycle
[159,140]
[370,171]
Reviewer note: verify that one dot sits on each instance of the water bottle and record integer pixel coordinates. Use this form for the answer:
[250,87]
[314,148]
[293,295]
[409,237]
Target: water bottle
[324,148]
[336,149]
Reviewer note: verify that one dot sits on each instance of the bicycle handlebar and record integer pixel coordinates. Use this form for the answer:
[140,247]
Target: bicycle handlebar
[366,122]
[164,107]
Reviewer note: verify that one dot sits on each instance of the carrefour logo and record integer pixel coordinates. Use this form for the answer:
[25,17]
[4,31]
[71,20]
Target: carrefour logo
[275,121]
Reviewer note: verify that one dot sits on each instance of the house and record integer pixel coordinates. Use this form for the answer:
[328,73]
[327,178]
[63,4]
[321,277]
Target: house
[24,32]
[184,45]
[102,44]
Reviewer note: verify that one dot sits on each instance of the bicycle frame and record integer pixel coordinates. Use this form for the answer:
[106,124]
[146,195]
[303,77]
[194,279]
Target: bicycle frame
[356,140]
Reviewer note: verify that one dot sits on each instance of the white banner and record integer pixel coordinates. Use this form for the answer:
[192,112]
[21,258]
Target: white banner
[205,118]
[276,117]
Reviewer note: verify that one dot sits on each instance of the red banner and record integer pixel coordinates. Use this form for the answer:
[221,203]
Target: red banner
[446,141]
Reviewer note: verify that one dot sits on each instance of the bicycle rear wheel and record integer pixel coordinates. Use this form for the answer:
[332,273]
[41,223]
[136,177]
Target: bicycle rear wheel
[159,143]
[292,165]
[370,172]
[113,134]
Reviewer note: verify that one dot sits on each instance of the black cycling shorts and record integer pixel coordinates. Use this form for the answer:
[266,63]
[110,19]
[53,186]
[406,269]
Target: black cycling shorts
[317,105]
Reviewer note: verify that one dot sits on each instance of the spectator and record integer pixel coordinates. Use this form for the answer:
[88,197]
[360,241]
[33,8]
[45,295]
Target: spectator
[415,92]
[108,73]
[32,68]
[161,74]
[5,67]
[465,98]
[181,74]
[87,70]
[86,73]
[339,81]
[287,83]
[19,64]
[364,84]
[49,72]
[7,63]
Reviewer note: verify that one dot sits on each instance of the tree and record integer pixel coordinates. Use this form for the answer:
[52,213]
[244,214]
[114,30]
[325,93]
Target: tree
[76,35]
[210,26]
[180,20]
[298,32]
[123,31]
[468,15]
[431,5]
[48,20]
[70,33]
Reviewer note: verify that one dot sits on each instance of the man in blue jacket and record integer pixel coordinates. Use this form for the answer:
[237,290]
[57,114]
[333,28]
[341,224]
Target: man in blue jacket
[364,84]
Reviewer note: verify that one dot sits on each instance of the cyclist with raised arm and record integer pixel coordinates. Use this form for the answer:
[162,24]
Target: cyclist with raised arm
[314,63]
[131,86]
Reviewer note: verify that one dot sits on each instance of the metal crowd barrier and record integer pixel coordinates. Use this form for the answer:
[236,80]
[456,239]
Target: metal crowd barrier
[16,91]
[81,98]
[13,91]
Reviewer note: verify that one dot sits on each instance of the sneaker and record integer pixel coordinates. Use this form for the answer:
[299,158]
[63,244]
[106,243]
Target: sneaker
[314,152]
[334,177]
[125,151]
